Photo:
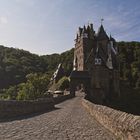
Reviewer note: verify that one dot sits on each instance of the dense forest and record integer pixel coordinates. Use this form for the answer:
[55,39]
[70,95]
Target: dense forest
[23,71]
[15,64]
[129,54]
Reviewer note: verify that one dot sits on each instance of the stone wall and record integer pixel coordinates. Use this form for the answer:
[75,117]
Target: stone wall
[13,108]
[123,125]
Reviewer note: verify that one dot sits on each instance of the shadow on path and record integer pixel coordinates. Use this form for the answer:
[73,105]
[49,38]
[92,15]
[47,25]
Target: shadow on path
[27,116]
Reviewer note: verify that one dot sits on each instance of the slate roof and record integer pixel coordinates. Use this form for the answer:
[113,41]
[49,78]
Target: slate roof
[101,33]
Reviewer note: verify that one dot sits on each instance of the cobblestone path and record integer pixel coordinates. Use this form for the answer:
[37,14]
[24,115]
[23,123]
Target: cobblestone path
[69,122]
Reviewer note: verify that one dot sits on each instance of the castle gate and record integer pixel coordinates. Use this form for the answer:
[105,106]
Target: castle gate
[80,77]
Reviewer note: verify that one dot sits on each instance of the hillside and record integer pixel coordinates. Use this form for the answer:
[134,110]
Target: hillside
[15,64]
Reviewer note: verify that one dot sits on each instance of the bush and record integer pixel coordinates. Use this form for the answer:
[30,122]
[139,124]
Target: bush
[26,92]
[34,88]
[63,83]
[11,93]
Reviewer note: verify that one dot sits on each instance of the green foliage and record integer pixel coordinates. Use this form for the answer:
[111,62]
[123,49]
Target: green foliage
[15,64]
[63,83]
[34,88]
[9,93]
[129,54]
[51,61]
[26,92]
[66,58]
[67,61]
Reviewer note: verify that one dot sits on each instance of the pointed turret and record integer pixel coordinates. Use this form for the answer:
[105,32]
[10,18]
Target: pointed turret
[80,31]
[92,32]
[112,39]
[84,32]
[101,35]
[91,26]
[84,28]
[88,29]
[76,38]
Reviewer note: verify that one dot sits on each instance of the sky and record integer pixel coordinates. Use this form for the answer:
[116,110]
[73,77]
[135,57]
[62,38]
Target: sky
[49,26]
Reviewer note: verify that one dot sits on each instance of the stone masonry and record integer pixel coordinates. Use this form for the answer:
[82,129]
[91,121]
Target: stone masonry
[70,121]
[125,126]
[97,54]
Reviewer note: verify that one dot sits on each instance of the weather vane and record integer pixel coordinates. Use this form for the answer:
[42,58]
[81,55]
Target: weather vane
[102,21]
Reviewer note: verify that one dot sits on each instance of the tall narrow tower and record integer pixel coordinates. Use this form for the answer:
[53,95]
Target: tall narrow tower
[83,45]
[96,60]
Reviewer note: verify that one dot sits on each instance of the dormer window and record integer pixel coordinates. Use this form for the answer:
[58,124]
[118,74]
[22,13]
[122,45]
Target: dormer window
[98,61]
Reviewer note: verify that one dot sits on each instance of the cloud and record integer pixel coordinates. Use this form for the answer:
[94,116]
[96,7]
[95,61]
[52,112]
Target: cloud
[3,20]
[123,22]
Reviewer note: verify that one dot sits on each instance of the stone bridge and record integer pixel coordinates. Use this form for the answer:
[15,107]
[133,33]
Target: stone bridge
[69,121]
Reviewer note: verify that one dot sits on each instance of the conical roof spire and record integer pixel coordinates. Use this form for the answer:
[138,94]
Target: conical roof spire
[101,33]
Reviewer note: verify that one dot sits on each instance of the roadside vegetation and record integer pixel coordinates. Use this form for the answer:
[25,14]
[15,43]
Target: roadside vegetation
[24,75]
[35,87]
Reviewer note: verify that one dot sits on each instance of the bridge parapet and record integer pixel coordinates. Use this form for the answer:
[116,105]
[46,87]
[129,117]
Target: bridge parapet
[123,125]
[10,109]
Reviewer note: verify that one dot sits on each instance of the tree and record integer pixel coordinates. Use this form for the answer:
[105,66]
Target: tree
[129,54]
[35,87]
[15,64]
[11,93]
[63,83]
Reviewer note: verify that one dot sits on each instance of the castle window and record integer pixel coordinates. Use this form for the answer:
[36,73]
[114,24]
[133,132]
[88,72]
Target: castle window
[85,35]
[98,61]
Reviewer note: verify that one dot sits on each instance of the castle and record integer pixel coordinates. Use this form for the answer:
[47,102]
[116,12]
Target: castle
[96,64]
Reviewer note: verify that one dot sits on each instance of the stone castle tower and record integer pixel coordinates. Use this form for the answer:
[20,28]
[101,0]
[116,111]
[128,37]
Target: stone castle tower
[97,54]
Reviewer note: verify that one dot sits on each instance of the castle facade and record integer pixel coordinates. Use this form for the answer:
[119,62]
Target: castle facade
[97,54]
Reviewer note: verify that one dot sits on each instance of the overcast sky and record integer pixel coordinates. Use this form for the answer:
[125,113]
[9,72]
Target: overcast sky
[49,26]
